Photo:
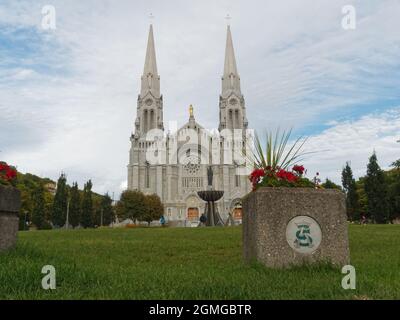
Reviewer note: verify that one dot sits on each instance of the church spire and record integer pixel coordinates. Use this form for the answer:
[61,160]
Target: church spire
[232,110]
[150,78]
[150,102]
[230,78]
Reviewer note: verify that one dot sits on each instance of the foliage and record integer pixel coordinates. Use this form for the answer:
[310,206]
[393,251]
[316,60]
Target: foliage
[131,205]
[350,188]
[376,191]
[38,210]
[8,174]
[87,206]
[393,181]
[60,202]
[271,165]
[107,210]
[277,154]
[396,164]
[154,209]
[270,177]
[27,184]
[328,184]
[362,197]
[74,206]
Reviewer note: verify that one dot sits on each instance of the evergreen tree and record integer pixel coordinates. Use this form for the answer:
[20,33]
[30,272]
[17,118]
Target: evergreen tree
[396,164]
[329,184]
[38,207]
[376,191]
[87,206]
[350,188]
[393,182]
[75,206]
[60,202]
[107,210]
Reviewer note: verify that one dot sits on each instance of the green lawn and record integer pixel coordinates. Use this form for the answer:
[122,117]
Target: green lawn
[197,263]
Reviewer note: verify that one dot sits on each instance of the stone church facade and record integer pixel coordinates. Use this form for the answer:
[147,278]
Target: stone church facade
[174,165]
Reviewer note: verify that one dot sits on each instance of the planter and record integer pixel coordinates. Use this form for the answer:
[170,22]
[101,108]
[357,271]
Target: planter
[283,227]
[10,203]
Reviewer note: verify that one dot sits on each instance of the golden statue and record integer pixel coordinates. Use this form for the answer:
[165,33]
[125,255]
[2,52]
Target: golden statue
[191,111]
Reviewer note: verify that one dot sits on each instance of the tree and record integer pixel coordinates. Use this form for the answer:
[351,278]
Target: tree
[396,164]
[376,191]
[153,208]
[107,210]
[75,206]
[328,184]
[38,208]
[60,202]
[131,205]
[87,206]
[350,188]
[393,182]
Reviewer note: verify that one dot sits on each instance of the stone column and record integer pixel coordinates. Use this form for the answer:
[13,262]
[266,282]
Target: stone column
[159,182]
[10,204]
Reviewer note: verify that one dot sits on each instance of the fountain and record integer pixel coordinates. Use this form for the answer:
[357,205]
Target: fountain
[210,196]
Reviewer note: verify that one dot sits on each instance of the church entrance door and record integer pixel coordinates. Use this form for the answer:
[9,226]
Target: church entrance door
[193,214]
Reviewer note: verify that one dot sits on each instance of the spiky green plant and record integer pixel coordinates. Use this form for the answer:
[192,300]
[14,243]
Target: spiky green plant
[277,153]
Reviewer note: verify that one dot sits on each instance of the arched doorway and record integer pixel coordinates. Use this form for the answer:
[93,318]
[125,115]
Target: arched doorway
[192,208]
[193,214]
[236,210]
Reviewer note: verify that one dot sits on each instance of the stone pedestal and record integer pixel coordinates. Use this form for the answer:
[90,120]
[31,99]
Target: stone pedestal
[10,203]
[293,226]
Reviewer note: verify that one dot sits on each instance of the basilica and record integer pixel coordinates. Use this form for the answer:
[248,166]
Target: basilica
[174,165]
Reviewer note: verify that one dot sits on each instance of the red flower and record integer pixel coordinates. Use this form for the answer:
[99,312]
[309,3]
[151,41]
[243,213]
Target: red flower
[6,172]
[286,175]
[11,173]
[256,175]
[281,174]
[291,177]
[298,169]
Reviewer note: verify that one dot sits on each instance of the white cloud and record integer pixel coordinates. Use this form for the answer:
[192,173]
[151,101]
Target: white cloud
[355,141]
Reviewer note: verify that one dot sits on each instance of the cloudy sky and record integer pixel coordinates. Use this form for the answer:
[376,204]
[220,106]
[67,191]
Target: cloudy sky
[68,96]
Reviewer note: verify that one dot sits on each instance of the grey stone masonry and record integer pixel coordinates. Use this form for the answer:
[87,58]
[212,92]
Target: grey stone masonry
[283,227]
[10,203]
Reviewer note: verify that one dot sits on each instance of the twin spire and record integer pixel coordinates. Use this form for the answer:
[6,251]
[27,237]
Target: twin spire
[151,79]
[150,64]
[230,79]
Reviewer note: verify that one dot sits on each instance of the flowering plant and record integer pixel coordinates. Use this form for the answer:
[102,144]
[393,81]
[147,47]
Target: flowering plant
[278,177]
[277,165]
[8,174]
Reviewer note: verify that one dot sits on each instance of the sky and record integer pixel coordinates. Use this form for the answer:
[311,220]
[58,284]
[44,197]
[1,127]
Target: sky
[68,95]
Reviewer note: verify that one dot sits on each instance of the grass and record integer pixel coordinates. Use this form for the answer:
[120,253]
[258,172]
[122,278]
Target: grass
[183,263]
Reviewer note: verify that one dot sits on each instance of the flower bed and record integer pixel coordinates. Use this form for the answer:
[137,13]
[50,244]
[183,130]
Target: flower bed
[8,174]
[277,177]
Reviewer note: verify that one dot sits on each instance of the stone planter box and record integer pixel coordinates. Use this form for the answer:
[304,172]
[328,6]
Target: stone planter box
[10,204]
[283,227]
